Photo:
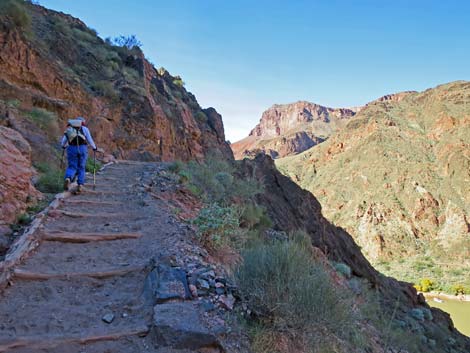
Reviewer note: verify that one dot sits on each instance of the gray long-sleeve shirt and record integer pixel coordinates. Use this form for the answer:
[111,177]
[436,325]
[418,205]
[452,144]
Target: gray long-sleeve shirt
[88,137]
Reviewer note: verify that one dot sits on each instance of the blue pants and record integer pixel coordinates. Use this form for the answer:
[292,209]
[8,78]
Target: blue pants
[76,158]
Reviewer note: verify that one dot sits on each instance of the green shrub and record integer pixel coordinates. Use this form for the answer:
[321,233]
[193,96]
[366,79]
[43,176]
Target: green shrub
[129,42]
[178,82]
[460,289]
[395,332]
[254,216]
[215,181]
[105,89]
[201,117]
[216,224]
[13,103]
[425,285]
[84,36]
[175,167]
[23,219]
[286,289]
[50,179]
[45,120]
[17,12]
[343,269]
[132,76]
[42,117]
[90,164]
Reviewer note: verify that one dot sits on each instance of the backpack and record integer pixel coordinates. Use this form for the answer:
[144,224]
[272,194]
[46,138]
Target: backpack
[74,133]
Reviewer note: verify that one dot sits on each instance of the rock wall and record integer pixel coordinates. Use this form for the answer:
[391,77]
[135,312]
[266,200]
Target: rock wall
[16,188]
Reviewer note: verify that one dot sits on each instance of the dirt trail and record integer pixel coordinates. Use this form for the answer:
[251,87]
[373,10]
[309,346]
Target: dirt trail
[92,264]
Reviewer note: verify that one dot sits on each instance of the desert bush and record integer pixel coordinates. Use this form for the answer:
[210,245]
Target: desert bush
[16,11]
[216,224]
[132,76]
[50,178]
[459,289]
[287,290]
[343,269]
[128,42]
[45,120]
[60,25]
[201,117]
[23,219]
[178,82]
[215,181]
[425,285]
[395,333]
[90,164]
[254,216]
[14,103]
[105,89]
[175,167]
[83,36]
[42,117]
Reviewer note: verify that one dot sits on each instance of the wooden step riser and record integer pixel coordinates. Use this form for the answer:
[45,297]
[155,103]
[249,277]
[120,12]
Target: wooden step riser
[51,341]
[33,276]
[66,237]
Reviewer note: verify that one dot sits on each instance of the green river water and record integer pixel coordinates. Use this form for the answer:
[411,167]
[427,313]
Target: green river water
[459,312]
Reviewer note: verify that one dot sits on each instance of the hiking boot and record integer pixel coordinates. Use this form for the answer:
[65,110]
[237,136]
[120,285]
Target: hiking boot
[79,189]
[66,184]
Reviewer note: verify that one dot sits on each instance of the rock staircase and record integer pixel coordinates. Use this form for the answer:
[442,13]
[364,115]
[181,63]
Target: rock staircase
[97,282]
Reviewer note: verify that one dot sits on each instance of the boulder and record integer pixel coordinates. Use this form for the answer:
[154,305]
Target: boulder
[179,325]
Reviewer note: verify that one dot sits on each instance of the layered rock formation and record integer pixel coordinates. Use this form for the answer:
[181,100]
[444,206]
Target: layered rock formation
[397,177]
[59,65]
[287,129]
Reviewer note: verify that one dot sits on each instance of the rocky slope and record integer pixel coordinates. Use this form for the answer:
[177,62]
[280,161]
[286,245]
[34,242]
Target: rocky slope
[16,188]
[53,67]
[287,129]
[397,177]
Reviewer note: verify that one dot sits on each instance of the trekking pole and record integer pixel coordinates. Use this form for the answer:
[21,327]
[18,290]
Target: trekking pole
[62,159]
[61,167]
[94,169]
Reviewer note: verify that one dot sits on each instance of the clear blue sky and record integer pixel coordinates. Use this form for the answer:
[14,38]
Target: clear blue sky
[243,56]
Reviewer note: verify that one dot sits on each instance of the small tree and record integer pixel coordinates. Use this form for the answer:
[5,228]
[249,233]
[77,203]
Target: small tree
[178,81]
[129,42]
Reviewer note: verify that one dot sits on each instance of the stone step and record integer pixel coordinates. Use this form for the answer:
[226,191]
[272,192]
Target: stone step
[179,325]
[67,237]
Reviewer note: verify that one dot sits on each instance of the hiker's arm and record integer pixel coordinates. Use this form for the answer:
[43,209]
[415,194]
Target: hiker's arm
[64,141]
[89,139]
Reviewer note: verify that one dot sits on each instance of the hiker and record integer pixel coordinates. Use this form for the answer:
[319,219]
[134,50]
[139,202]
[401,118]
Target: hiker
[76,138]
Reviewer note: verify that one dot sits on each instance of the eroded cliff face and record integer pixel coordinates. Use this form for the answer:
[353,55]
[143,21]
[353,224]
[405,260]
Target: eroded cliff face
[16,188]
[134,110]
[287,129]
